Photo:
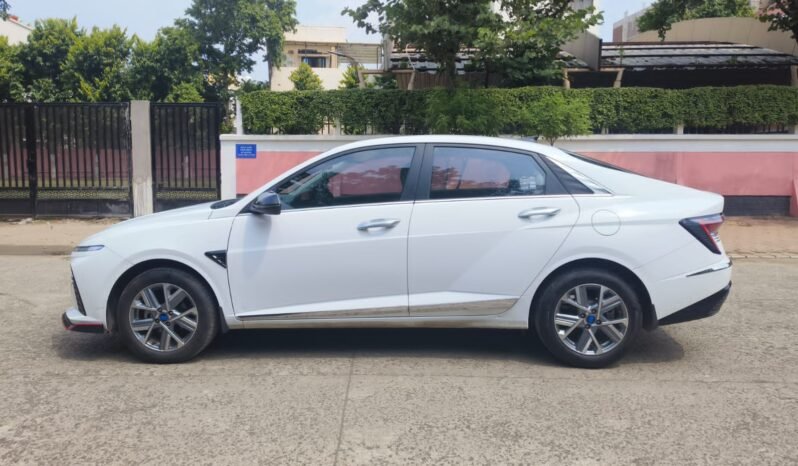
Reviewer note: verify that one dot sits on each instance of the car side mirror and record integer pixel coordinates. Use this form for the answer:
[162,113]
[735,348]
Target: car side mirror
[267,203]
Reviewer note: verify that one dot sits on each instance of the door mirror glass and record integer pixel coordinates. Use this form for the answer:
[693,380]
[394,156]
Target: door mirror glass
[267,203]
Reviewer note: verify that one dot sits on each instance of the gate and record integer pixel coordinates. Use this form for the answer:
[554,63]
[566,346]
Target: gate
[65,159]
[185,154]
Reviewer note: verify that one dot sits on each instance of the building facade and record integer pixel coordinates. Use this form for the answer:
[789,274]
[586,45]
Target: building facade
[327,52]
[15,31]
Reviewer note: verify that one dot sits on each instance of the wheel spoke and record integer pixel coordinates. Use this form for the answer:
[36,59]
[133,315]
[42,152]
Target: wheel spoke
[610,304]
[612,332]
[573,303]
[173,335]
[140,306]
[150,299]
[173,300]
[142,325]
[572,322]
[581,296]
[149,332]
[592,333]
[164,337]
[622,321]
[584,341]
[567,320]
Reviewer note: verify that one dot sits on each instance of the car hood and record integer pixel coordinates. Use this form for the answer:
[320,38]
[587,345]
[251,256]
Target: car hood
[169,217]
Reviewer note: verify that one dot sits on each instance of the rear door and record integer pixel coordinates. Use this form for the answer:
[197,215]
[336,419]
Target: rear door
[486,222]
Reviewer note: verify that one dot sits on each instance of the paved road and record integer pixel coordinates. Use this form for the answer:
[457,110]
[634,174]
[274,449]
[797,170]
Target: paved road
[723,390]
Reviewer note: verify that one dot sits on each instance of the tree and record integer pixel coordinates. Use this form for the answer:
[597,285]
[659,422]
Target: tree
[351,79]
[96,65]
[10,72]
[43,56]
[554,117]
[4,7]
[440,28]
[185,92]
[782,16]
[305,79]
[663,13]
[462,111]
[157,68]
[523,40]
[229,32]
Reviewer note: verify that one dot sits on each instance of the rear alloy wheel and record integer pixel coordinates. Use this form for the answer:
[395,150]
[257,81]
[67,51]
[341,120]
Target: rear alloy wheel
[591,319]
[166,315]
[587,318]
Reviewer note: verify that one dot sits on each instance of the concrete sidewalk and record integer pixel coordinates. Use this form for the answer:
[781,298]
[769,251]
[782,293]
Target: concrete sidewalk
[764,237]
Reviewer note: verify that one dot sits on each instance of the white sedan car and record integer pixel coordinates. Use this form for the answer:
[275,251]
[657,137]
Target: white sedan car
[427,231]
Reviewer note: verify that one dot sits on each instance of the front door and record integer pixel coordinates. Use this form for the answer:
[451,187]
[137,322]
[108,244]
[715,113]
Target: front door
[492,220]
[338,249]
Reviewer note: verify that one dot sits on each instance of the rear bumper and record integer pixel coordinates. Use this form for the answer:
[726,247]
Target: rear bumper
[707,307]
[77,322]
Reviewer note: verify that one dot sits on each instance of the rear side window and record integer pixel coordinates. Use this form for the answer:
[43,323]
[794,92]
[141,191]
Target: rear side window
[461,172]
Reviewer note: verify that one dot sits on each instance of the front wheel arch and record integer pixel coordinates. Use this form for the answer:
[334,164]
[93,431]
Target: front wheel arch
[649,312]
[141,267]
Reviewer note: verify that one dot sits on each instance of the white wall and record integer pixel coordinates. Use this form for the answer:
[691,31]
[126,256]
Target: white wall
[330,78]
[14,31]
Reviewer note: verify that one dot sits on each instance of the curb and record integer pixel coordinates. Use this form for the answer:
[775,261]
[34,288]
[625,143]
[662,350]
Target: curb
[762,255]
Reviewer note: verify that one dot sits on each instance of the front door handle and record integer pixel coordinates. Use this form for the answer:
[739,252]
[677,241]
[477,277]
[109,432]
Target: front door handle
[539,212]
[386,223]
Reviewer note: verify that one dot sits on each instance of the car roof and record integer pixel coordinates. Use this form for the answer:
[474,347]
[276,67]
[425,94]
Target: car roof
[511,143]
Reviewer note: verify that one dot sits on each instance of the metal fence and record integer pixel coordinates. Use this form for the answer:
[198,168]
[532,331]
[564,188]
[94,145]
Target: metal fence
[185,154]
[65,159]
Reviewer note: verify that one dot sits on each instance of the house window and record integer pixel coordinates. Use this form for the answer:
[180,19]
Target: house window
[315,62]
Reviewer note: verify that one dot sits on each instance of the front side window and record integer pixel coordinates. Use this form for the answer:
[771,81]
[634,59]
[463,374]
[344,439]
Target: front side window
[365,177]
[459,172]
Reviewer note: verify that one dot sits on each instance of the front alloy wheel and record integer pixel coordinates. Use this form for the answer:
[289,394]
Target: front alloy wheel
[163,317]
[167,315]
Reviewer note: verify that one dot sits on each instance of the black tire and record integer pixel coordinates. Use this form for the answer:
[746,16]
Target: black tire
[207,321]
[546,308]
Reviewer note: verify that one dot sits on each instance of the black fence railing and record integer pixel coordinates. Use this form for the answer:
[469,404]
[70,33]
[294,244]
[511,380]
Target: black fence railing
[185,154]
[65,159]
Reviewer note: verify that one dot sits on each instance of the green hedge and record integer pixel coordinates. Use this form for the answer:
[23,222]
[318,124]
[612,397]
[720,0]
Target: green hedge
[625,110]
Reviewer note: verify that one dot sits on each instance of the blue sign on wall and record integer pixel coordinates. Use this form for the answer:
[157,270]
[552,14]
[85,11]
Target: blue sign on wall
[246,151]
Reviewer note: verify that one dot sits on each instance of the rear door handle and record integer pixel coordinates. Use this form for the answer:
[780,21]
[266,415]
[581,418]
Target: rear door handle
[386,223]
[539,212]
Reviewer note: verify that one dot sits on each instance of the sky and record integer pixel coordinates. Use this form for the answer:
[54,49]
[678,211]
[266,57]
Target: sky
[145,17]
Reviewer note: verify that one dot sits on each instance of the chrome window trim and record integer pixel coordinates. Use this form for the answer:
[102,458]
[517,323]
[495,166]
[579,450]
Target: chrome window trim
[348,206]
[495,198]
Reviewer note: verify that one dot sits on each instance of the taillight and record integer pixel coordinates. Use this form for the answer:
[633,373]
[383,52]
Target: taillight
[705,229]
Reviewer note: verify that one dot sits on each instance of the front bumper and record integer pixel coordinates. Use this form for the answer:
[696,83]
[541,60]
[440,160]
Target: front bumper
[707,307]
[77,322]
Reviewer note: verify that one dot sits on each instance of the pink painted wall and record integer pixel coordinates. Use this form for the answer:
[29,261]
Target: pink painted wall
[728,173]
[254,173]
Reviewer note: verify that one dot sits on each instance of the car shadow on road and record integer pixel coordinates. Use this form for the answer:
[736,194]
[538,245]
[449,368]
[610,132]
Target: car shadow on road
[474,344]
[478,344]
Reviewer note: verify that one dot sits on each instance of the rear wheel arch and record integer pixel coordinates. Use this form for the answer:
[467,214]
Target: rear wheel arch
[141,267]
[649,313]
